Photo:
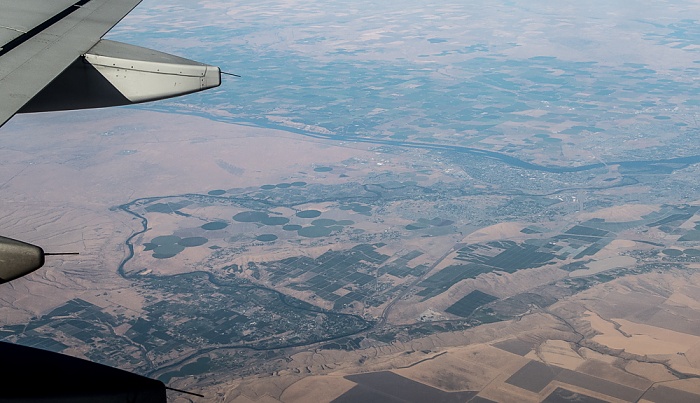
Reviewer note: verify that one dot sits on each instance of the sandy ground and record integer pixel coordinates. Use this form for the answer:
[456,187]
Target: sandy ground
[602,265]
[559,353]
[506,230]
[139,159]
[627,212]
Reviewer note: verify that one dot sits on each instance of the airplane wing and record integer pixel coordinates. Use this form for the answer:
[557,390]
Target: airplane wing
[52,58]
[39,39]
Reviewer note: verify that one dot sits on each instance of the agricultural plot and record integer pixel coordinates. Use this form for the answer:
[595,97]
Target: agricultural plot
[390,387]
[561,395]
[505,256]
[470,303]
[354,269]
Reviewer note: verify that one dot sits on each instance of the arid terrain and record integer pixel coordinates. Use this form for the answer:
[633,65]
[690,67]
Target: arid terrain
[616,323]
[393,202]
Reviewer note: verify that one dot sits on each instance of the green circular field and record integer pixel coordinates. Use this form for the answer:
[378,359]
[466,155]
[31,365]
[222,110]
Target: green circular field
[193,241]
[314,231]
[213,226]
[250,216]
[266,237]
[309,214]
[692,252]
[324,222]
[275,220]
[672,252]
[167,251]
[166,240]
[356,207]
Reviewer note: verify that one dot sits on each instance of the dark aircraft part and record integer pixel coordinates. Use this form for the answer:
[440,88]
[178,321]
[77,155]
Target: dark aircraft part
[80,86]
[18,258]
[33,375]
[114,73]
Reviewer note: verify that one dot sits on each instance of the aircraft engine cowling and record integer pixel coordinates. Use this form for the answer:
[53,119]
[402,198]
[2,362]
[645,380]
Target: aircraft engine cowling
[18,258]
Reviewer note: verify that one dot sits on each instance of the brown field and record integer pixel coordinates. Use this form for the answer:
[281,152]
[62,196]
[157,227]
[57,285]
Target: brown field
[627,212]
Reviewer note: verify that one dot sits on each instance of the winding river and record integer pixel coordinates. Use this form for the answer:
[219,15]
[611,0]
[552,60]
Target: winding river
[679,162]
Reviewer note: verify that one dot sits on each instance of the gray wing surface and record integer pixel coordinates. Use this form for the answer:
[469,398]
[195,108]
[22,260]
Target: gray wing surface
[39,39]
[53,57]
